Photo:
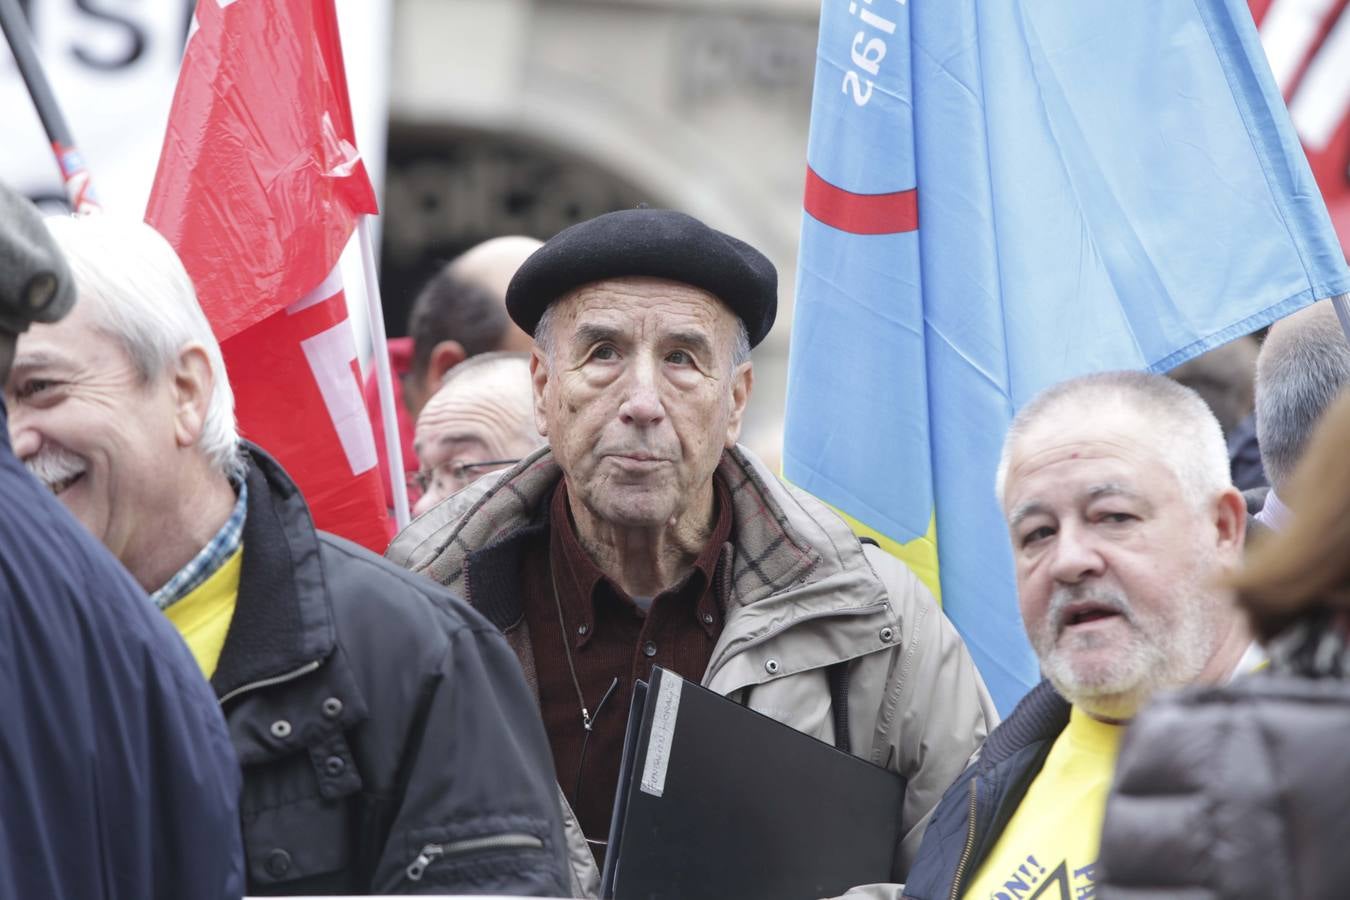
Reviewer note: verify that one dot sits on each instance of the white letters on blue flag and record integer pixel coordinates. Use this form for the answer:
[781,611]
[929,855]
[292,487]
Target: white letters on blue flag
[1005,194]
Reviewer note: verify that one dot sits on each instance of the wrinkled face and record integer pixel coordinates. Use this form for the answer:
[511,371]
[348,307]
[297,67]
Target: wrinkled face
[1115,566]
[640,399]
[86,425]
[465,433]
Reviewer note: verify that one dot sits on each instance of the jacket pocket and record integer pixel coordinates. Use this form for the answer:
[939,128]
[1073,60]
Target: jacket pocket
[460,851]
[301,841]
[490,854]
[301,825]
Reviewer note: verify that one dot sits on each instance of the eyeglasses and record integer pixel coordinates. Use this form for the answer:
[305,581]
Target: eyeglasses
[458,474]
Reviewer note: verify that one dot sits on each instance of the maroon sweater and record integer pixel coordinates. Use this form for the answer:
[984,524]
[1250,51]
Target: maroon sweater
[609,638]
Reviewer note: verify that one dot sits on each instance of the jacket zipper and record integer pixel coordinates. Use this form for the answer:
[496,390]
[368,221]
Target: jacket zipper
[432,852]
[768,635]
[970,845]
[275,679]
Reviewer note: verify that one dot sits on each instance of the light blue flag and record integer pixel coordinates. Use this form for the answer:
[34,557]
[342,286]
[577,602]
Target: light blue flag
[1005,194]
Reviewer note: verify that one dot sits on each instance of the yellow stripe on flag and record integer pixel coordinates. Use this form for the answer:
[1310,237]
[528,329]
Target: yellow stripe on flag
[919,554]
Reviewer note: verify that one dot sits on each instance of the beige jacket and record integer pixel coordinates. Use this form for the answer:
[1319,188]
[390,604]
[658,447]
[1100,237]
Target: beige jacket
[803,594]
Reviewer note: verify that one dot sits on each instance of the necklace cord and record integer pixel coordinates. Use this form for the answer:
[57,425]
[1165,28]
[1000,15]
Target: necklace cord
[587,721]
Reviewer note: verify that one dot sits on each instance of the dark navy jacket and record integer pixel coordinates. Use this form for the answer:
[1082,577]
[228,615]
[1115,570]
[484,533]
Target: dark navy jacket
[117,779]
[975,809]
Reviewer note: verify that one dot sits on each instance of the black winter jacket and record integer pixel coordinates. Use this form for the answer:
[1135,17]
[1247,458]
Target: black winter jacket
[973,812]
[1234,792]
[387,738]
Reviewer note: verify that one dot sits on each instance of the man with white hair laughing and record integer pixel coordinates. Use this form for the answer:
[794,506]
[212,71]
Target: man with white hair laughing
[387,738]
[1123,521]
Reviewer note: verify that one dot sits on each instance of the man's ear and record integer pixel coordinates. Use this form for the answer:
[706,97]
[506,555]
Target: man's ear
[444,357]
[1230,520]
[538,381]
[193,383]
[742,381]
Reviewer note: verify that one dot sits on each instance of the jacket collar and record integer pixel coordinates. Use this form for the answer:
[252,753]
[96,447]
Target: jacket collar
[282,619]
[1009,762]
[791,559]
[1039,716]
[771,553]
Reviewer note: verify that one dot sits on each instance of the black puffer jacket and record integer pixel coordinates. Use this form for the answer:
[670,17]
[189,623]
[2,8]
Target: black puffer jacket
[1235,792]
[388,741]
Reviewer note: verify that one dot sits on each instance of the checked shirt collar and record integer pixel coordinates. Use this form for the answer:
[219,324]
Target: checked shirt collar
[210,558]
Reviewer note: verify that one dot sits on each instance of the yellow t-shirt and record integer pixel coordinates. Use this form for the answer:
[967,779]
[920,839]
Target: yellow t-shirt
[1048,850]
[203,616]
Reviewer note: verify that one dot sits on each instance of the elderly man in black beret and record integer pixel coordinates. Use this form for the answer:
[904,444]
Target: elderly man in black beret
[647,536]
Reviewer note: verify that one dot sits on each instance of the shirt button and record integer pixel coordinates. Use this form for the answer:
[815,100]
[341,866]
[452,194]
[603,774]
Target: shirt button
[649,648]
[278,863]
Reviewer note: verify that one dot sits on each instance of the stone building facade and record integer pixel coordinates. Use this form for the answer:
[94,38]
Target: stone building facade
[523,116]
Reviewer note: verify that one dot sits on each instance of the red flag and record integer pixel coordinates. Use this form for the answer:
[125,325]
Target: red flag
[259,187]
[1308,44]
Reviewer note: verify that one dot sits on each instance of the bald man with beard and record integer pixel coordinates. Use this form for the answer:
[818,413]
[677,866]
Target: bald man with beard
[481,420]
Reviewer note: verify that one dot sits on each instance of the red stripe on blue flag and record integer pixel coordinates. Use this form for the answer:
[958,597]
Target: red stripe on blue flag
[860,213]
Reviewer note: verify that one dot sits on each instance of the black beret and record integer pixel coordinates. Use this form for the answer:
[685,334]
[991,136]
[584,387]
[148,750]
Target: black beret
[35,283]
[657,243]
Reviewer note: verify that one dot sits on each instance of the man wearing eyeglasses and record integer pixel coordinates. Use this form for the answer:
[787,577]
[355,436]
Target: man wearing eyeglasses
[480,420]
[647,536]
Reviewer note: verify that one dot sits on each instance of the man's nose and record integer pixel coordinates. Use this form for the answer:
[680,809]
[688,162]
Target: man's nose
[1076,556]
[642,405]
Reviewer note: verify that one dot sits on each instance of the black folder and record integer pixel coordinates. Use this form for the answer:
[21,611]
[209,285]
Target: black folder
[716,800]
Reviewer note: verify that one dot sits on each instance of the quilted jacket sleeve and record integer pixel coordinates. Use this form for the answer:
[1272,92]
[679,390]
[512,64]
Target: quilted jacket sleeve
[1233,793]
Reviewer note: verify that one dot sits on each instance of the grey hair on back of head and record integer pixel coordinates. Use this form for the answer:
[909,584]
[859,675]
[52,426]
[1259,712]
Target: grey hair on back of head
[1303,365]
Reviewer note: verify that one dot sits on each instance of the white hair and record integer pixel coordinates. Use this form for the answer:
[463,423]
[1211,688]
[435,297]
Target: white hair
[1174,420]
[144,298]
[543,336]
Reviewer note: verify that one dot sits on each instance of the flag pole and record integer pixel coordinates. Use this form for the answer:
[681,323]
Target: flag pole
[74,175]
[398,481]
[1341,304]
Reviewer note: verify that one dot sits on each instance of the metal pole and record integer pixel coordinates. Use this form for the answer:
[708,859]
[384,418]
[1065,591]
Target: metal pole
[398,481]
[73,173]
[1341,304]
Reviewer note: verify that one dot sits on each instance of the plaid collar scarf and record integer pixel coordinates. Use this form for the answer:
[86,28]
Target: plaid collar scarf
[210,558]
